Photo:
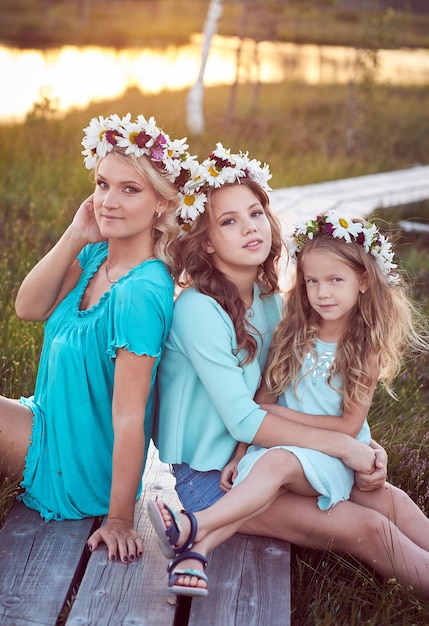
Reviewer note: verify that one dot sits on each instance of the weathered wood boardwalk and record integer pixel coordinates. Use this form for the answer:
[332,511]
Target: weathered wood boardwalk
[45,568]
[355,197]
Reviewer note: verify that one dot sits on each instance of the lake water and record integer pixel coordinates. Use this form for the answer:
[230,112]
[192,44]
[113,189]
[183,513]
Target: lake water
[75,76]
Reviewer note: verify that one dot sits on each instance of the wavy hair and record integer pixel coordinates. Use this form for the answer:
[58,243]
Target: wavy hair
[194,267]
[385,323]
[165,228]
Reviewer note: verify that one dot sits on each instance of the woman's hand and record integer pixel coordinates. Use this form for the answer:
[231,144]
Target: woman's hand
[120,539]
[84,222]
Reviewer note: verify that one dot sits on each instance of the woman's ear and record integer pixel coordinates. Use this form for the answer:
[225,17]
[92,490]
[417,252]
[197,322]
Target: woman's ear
[162,206]
[208,247]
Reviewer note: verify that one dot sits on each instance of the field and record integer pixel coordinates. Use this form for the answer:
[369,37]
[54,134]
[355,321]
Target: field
[307,134]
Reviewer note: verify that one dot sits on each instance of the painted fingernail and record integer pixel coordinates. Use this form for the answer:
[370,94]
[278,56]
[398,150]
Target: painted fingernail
[113,557]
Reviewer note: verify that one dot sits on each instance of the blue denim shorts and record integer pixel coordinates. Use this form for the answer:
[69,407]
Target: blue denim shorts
[196,490]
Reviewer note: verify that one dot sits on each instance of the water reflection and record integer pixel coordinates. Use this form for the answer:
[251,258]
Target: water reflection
[77,75]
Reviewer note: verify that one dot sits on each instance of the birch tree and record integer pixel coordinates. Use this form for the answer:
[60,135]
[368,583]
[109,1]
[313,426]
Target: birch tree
[194,104]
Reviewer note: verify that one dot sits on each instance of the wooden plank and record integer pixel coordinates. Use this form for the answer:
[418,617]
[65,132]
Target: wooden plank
[355,197]
[249,584]
[134,594]
[40,563]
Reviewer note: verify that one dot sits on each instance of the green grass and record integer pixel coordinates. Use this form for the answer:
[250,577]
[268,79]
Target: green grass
[301,132]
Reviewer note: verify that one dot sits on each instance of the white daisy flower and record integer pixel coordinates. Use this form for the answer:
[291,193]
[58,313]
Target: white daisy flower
[177,147]
[99,136]
[370,233]
[128,140]
[222,153]
[89,159]
[260,175]
[213,175]
[343,227]
[191,205]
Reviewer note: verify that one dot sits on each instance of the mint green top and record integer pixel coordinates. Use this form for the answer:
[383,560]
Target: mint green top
[69,463]
[206,395]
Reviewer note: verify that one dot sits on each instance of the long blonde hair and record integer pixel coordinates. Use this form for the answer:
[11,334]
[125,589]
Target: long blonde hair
[165,228]
[385,324]
[194,267]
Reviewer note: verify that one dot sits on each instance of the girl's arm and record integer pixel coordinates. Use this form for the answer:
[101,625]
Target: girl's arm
[58,271]
[364,481]
[349,423]
[369,482]
[133,375]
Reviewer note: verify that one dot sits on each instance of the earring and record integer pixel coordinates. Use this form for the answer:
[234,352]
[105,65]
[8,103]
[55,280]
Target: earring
[363,291]
[158,214]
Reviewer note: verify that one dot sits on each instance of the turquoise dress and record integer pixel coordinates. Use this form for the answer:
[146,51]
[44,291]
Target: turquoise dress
[69,462]
[329,476]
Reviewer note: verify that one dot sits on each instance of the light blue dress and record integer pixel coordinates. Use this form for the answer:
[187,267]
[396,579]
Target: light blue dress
[205,392]
[329,476]
[69,462]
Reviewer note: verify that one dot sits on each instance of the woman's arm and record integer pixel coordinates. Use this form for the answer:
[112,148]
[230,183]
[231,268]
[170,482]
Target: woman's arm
[133,375]
[58,271]
[349,423]
[275,430]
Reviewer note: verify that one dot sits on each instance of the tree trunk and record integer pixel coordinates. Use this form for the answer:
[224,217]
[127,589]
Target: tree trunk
[194,106]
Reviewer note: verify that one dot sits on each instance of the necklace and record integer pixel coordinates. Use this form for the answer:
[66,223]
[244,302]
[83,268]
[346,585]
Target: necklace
[112,282]
[249,313]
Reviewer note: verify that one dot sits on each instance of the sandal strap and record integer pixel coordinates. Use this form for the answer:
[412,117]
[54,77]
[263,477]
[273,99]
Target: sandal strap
[173,533]
[186,572]
[184,556]
[187,545]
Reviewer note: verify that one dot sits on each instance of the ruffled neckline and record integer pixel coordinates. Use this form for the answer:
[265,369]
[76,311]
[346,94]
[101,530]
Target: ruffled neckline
[106,294]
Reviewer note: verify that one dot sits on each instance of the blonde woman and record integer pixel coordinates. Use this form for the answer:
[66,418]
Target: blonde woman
[105,293]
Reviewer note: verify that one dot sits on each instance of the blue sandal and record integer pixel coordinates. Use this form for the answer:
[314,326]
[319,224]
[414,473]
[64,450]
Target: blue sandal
[168,537]
[173,576]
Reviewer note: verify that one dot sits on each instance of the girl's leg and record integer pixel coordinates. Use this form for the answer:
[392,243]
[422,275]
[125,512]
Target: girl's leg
[348,527]
[16,421]
[396,505]
[277,469]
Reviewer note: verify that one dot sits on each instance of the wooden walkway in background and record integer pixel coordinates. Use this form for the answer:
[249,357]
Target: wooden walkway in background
[355,197]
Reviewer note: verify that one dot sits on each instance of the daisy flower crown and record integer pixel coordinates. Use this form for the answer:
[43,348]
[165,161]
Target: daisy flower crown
[139,137]
[335,225]
[219,168]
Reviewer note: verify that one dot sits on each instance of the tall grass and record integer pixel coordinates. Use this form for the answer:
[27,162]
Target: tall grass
[301,131]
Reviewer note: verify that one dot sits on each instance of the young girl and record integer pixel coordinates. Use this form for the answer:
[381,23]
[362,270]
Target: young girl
[106,293]
[207,386]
